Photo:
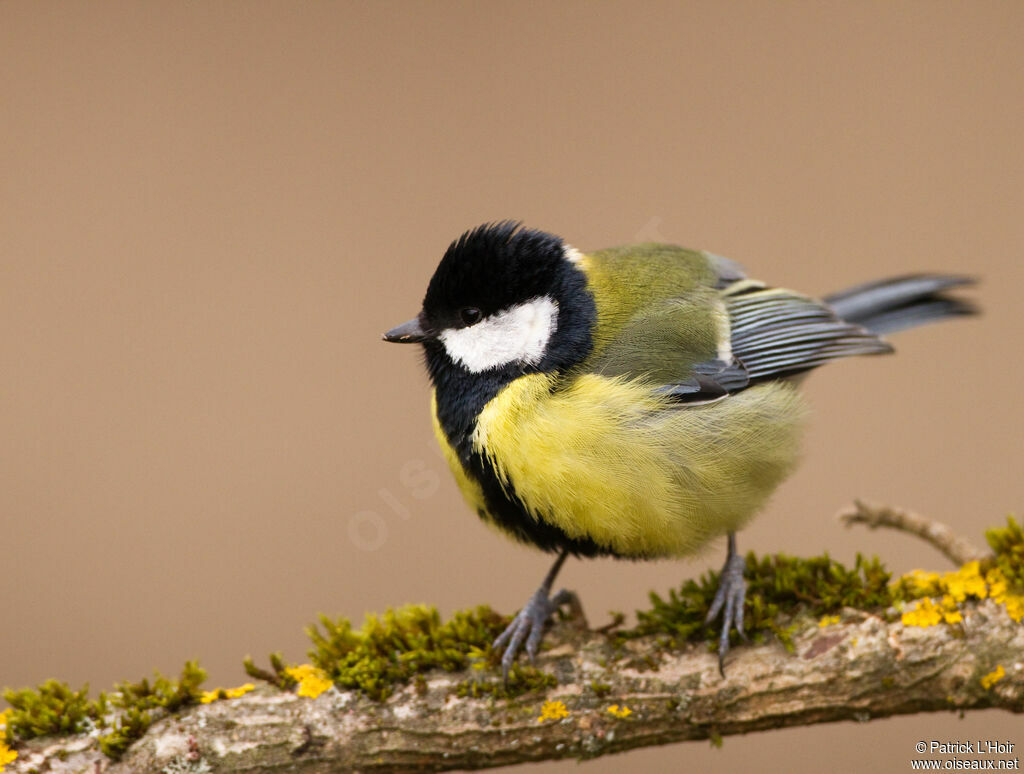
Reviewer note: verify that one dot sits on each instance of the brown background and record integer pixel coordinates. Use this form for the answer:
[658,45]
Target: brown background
[211,211]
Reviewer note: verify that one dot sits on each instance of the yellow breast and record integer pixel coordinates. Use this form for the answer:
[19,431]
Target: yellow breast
[469,487]
[611,460]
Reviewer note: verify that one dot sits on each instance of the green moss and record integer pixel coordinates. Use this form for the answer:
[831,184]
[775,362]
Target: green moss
[777,586]
[600,689]
[51,708]
[522,679]
[617,619]
[826,586]
[163,692]
[401,645]
[279,676]
[130,726]
[137,700]
[1007,544]
[390,649]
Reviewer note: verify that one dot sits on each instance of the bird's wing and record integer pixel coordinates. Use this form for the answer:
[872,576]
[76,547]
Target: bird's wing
[708,345]
[709,380]
[699,329]
[677,344]
[776,332]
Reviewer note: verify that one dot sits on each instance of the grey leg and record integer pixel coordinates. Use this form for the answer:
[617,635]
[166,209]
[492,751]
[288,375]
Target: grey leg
[732,592]
[529,623]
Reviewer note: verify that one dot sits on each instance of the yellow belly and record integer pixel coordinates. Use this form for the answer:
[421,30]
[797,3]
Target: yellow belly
[610,460]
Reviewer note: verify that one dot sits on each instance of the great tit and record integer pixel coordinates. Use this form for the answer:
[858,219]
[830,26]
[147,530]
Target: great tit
[635,402]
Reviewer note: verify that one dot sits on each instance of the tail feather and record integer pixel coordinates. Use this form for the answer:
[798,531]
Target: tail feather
[891,305]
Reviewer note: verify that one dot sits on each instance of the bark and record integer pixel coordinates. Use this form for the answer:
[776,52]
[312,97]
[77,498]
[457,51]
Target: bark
[864,667]
[957,549]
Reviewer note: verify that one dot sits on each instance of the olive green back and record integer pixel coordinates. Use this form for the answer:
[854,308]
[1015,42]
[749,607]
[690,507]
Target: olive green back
[658,310]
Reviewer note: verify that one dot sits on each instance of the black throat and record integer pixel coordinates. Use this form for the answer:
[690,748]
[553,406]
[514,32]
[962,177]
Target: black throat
[461,395]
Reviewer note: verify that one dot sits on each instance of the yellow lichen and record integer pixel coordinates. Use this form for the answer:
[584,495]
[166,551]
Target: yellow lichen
[950,612]
[996,583]
[828,620]
[956,587]
[993,677]
[312,680]
[966,581]
[998,590]
[925,613]
[553,710]
[620,712]
[7,755]
[1014,607]
[226,693]
[952,616]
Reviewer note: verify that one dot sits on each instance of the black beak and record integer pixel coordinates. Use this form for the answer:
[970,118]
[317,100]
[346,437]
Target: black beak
[407,333]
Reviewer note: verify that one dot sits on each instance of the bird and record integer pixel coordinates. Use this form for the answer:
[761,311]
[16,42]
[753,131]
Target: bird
[637,402]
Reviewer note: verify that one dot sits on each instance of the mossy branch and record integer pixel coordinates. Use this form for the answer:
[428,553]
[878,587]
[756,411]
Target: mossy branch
[408,692]
[858,669]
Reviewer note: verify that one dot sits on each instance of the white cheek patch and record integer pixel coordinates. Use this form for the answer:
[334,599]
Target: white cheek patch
[517,334]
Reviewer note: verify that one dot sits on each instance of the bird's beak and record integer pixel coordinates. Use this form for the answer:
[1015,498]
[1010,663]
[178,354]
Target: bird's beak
[409,332]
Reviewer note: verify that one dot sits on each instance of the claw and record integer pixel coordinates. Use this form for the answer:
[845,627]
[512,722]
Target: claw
[529,622]
[528,626]
[731,594]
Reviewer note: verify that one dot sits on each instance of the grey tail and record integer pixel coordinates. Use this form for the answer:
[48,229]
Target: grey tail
[891,305]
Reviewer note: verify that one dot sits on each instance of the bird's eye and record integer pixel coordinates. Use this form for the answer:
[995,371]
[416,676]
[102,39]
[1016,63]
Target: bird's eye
[470,315]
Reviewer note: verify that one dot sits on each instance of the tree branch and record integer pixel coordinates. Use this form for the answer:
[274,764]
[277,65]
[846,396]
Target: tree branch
[957,549]
[861,668]
[613,694]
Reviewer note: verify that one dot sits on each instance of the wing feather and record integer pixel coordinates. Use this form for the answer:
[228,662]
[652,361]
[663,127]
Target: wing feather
[718,332]
[775,332]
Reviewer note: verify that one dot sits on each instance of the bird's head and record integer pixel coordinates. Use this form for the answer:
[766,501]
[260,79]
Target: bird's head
[503,301]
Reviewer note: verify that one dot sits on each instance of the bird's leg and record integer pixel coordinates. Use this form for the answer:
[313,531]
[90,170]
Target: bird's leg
[732,592]
[529,622]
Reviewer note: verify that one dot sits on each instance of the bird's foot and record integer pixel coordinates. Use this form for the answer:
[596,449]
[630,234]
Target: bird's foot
[528,626]
[731,594]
